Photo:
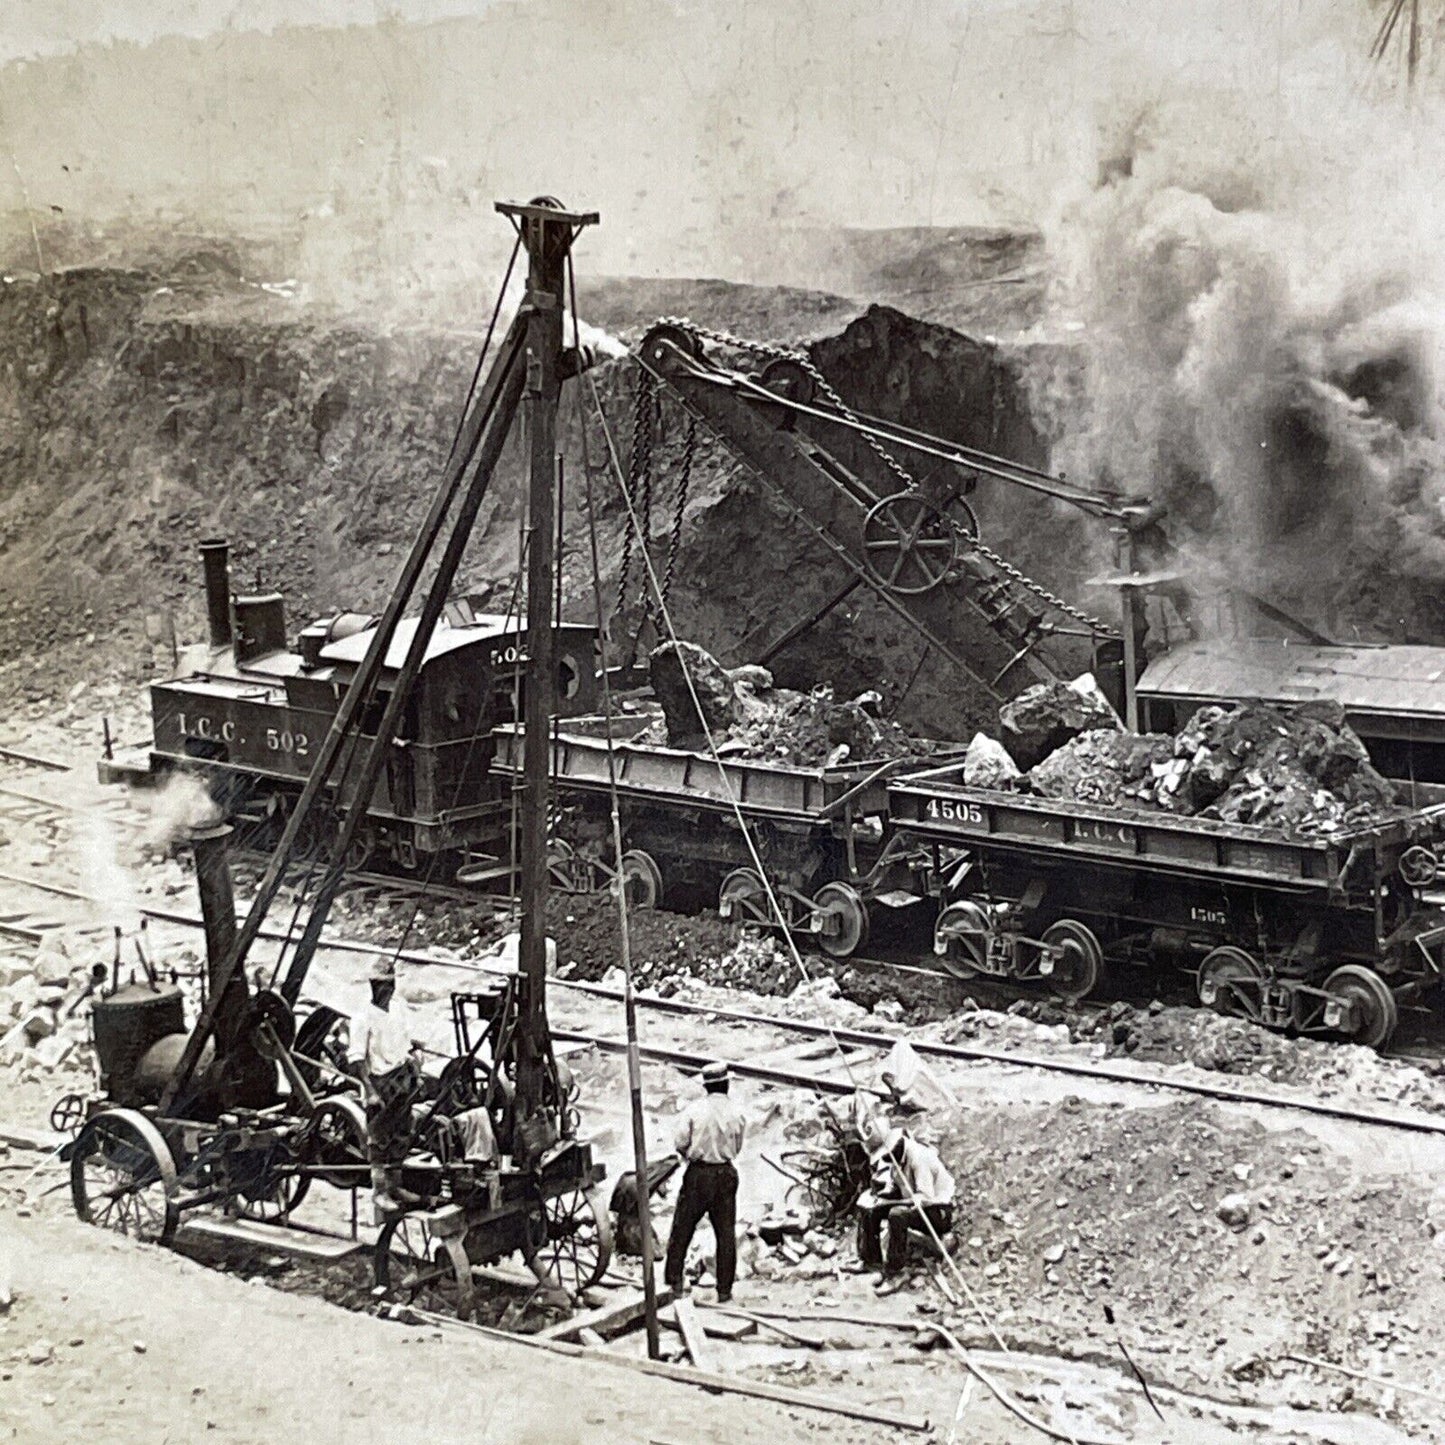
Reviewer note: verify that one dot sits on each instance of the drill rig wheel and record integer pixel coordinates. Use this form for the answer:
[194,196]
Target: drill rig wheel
[414,1265]
[123,1177]
[908,544]
[578,1246]
[276,1195]
[337,1141]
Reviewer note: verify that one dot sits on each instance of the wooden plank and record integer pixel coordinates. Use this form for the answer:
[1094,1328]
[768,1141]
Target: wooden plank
[606,1320]
[715,1324]
[693,1336]
[710,1323]
[274,1236]
[688,1375]
[22,1136]
[511,1275]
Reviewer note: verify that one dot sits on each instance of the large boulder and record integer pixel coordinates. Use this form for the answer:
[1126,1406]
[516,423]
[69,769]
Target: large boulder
[1049,714]
[987,764]
[669,669]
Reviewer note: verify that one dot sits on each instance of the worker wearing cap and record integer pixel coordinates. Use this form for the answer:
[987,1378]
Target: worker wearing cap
[912,1190]
[709,1136]
[390,1078]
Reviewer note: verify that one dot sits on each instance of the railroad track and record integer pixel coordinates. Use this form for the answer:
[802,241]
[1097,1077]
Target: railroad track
[1126,1076]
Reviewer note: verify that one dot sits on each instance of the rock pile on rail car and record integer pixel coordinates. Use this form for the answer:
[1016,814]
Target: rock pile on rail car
[748,717]
[1299,771]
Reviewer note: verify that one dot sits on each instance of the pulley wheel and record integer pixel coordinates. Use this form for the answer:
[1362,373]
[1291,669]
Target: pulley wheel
[1080,965]
[908,544]
[1418,866]
[845,919]
[790,379]
[269,1008]
[664,342]
[337,1142]
[1221,976]
[1373,1011]
[123,1177]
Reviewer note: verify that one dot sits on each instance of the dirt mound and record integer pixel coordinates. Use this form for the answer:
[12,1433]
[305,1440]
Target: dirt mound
[1222,1243]
[1236,1046]
[1296,771]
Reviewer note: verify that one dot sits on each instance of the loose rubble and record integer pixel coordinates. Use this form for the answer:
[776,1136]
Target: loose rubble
[748,716]
[1299,771]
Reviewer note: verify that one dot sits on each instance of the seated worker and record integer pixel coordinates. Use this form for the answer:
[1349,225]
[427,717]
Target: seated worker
[391,1081]
[911,1190]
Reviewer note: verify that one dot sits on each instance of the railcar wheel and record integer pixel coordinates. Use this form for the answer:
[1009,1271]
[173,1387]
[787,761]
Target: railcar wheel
[569,870]
[743,898]
[362,848]
[1221,971]
[1078,970]
[1372,1005]
[338,1142]
[123,1178]
[845,919]
[961,936]
[642,879]
[578,1246]
[413,1264]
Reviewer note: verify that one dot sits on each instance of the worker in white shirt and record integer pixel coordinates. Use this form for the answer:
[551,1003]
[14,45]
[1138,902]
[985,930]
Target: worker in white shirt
[391,1081]
[912,1191]
[709,1137]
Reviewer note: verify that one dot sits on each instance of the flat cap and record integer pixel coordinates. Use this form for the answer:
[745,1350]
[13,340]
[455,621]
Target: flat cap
[715,1072]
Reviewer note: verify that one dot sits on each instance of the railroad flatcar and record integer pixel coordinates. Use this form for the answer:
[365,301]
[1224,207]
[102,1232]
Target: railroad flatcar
[1319,934]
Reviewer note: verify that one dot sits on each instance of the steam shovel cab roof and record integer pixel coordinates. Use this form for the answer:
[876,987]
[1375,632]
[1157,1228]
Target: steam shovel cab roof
[1393,696]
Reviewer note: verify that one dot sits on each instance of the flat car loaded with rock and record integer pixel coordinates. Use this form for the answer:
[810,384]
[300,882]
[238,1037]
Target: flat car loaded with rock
[1258,848]
[494,1162]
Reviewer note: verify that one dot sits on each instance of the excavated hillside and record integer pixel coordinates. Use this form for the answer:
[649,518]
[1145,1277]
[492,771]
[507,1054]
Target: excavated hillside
[141,411]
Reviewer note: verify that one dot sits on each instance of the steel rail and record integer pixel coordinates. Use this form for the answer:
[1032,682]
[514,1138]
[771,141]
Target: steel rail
[1414,1121]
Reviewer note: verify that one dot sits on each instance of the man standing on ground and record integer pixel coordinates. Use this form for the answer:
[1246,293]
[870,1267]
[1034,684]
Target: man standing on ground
[391,1080]
[912,1190]
[709,1137]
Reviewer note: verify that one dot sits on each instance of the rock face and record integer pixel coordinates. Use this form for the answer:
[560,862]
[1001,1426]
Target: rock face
[669,670]
[1047,715]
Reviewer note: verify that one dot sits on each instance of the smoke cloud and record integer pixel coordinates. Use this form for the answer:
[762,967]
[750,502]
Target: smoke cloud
[1252,294]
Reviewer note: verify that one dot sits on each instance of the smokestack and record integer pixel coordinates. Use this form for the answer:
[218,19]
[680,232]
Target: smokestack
[215,558]
[218,911]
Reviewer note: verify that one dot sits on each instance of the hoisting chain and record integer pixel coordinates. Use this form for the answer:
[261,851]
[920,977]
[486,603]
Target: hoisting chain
[679,507]
[639,465]
[775,352]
